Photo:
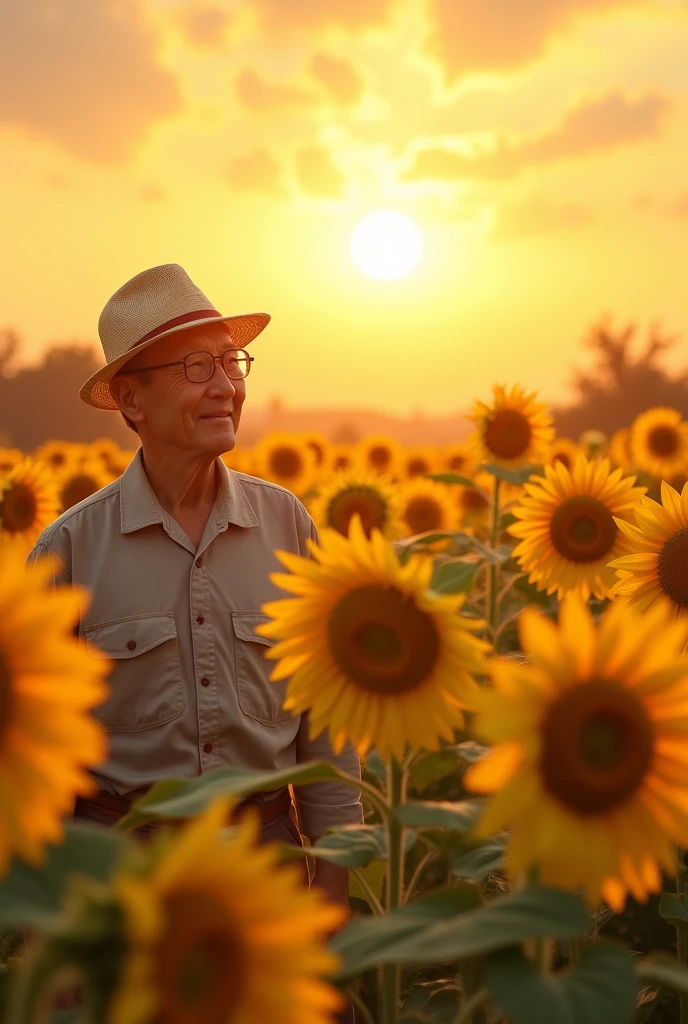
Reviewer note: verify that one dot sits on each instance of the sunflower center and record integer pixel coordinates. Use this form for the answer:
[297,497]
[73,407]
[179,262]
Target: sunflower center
[563,458]
[371,507]
[423,514]
[472,500]
[672,567]
[583,529]
[200,962]
[417,466]
[78,487]
[663,440]
[457,462]
[597,747]
[379,456]
[285,461]
[508,434]
[6,696]
[18,508]
[381,641]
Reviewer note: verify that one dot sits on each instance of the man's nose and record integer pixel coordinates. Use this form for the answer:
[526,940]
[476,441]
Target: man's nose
[221,382]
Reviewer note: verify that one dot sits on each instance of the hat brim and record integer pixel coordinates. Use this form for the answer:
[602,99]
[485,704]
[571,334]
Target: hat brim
[96,390]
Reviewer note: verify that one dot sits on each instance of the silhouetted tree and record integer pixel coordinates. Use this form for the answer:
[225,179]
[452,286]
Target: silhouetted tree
[41,402]
[619,386]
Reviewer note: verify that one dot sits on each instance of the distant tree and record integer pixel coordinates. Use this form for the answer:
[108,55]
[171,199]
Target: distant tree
[41,402]
[619,385]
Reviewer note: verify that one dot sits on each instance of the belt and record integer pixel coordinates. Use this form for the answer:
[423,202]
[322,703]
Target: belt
[272,805]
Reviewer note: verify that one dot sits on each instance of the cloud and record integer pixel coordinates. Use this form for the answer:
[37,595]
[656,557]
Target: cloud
[538,216]
[498,35]
[596,125]
[83,75]
[258,171]
[342,80]
[204,27]
[312,15]
[317,173]
[258,94]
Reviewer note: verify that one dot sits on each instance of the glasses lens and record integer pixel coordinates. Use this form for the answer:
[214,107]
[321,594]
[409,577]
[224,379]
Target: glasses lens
[237,363]
[199,366]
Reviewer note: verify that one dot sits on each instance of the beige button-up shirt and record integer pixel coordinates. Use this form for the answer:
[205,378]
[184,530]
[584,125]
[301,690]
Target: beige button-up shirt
[190,690]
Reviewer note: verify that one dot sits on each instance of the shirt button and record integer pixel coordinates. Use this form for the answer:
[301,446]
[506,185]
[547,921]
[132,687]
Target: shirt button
[199,563]
[131,645]
[207,747]
[200,620]
[205,682]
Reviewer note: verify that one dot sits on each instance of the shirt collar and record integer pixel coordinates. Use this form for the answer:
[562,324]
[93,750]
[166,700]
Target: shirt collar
[139,506]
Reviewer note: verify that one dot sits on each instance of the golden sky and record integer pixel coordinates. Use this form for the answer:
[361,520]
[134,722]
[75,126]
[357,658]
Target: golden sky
[541,147]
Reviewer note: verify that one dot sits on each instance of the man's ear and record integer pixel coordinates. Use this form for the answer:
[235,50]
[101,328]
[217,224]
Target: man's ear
[124,391]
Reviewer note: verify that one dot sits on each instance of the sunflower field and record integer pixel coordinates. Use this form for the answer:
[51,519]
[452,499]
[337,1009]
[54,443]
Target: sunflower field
[499,628]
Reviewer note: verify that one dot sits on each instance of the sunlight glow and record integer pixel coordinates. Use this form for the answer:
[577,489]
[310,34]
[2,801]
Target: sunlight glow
[386,245]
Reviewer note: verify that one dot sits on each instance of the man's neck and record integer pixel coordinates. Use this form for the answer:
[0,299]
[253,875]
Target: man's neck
[184,487]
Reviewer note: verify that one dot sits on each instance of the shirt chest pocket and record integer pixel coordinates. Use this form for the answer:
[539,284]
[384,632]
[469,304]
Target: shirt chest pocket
[146,682]
[258,698]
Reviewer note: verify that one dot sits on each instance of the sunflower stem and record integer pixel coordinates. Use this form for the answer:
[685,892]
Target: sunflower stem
[493,568]
[681,933]
[396,794]
[373,901]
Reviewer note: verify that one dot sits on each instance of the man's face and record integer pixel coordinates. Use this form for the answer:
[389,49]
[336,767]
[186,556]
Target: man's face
[193,417]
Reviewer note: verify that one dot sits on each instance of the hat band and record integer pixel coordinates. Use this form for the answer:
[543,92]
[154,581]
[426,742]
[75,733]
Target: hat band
[177,321]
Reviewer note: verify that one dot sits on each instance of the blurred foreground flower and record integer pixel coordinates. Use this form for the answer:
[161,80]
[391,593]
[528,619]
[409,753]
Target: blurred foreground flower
[590,767]
[514,431]
[658,565]
[372,653]
[48,685]
[28,503]
[567,529]
[659,442]
[374,497]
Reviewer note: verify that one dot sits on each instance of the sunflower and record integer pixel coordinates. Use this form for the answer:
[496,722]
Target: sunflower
[590,767]
[320,447]
[380,454]
[458,457]
[657,564]
[49,682]
[284,459]
[620,449]
[218,932]
[473,503]
[659,442]
[80,482]
[514,431]
[374,655]
[28,503]
[9,458]
[419,460]
[427,507]
[567,530]
[563,449]
[58,455]
[593,443]
[375,498]
[342,456]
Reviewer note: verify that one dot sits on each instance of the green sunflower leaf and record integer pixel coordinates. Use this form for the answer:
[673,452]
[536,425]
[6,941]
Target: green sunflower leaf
[663,970]
[184,798]
[352,846]
[434,765]
[454,577]
[454,478]
[455,817]
[600,989]
[673,907]
[447,926]
[512,476]
[476,863]
[30,896]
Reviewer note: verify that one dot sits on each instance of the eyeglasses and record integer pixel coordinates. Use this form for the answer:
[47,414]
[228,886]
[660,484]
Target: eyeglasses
[200,366]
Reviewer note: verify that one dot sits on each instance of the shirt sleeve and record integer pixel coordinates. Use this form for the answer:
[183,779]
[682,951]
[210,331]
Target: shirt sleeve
[324,805]
[45,546]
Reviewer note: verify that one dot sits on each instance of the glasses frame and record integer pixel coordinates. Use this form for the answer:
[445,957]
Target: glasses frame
[200,352]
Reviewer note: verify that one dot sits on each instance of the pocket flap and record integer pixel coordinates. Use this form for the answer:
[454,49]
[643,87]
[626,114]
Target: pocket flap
[134,635]
[244,624]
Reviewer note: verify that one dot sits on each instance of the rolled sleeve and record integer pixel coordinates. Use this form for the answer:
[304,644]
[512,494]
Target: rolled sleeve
[324,805]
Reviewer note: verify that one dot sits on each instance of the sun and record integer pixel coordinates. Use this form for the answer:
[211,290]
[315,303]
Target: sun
[386,245]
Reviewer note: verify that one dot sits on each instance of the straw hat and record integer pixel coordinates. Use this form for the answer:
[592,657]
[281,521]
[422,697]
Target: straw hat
[154,304]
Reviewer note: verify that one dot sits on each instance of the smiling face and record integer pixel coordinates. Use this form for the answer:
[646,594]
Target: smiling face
[173,412]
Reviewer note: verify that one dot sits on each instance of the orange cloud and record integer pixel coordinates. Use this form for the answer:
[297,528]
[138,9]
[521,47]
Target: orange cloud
[341,79]
[500,34]
[83,75]
[596,125]
[537,216]
[257,171]
[312,15]
[317,173]
[204,27]
[258,94]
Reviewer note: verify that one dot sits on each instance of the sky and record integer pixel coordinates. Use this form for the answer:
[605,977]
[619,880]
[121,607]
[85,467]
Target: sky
[540,147]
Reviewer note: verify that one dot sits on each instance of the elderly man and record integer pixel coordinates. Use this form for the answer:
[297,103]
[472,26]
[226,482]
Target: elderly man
[176,554]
